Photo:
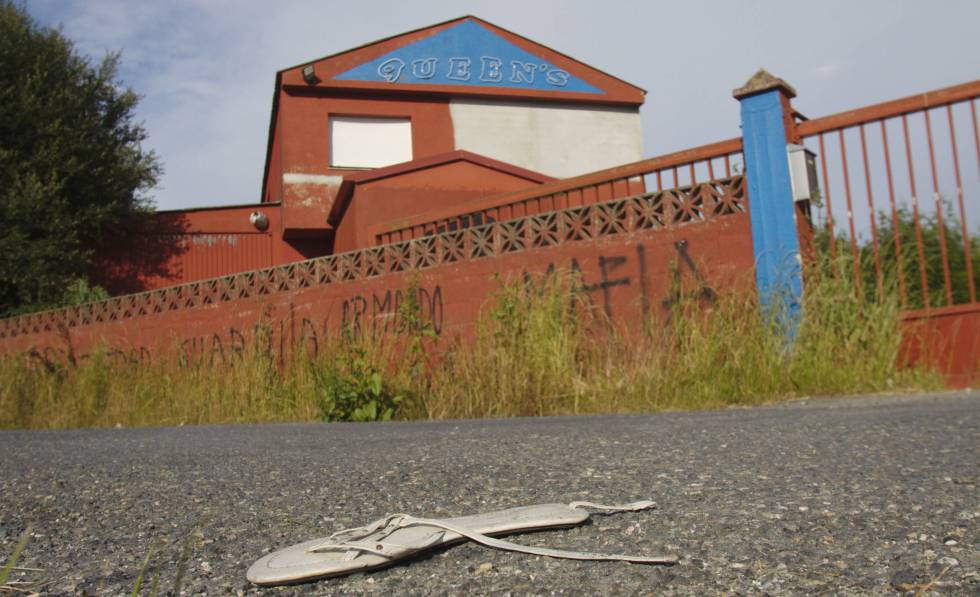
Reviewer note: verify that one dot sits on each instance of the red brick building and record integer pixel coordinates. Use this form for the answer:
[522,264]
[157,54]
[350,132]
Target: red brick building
[414,123]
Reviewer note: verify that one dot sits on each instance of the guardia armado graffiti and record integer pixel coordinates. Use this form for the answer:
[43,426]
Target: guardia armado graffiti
[377,312]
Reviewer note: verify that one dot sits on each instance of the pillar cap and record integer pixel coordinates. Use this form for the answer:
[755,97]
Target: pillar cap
[762,81]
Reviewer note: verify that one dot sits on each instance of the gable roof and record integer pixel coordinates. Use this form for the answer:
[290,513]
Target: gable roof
[465,56]
[346,192]
[612,90]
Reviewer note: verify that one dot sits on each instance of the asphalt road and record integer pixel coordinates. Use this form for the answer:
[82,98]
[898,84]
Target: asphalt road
[855,495]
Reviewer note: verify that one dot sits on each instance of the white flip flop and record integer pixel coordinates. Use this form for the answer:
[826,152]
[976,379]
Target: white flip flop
[399,536]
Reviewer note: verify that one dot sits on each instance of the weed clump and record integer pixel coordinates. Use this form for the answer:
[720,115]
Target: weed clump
[352,388]
[542,348]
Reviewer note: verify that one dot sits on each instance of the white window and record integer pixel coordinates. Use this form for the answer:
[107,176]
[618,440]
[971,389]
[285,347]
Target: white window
[366,142]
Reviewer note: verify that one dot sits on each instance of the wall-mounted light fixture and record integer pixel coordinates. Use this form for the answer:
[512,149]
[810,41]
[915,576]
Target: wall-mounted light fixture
[259,220]
[309,75]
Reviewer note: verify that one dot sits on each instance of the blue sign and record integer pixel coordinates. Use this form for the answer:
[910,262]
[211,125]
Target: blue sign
[467,54]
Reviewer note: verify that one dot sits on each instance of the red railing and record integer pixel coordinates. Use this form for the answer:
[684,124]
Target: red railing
[684,168]
[925,247]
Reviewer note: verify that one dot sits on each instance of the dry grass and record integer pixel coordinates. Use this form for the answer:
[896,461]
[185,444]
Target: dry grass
[539,353]
[539,349]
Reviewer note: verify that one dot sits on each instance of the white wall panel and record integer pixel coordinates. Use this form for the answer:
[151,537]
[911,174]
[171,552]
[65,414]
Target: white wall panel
[559,141]
[364,142]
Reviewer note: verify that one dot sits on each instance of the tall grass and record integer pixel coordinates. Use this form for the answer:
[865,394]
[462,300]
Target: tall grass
[543,351]
[539,348]
[101,391]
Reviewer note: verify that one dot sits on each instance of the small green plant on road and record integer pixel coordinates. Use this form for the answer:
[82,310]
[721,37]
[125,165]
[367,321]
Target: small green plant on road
[354,389]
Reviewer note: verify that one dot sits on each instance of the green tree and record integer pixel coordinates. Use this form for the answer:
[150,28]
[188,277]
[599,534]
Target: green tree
[913,264]
[930,261]
[73,175]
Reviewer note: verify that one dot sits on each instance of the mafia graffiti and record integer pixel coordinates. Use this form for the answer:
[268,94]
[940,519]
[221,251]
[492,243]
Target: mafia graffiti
[680,289]
[467,54]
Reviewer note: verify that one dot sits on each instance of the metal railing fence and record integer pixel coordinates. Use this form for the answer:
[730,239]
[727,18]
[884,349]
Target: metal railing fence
[899,192]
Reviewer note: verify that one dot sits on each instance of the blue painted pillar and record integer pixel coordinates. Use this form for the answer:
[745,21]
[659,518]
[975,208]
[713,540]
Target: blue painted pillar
[767,127]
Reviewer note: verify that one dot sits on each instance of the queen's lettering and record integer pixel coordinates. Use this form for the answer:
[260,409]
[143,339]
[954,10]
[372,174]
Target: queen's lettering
[487,69]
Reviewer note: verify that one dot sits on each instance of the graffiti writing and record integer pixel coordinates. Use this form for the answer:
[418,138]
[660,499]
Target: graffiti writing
[383,310]
[609,271]
[606,266]
[703,294]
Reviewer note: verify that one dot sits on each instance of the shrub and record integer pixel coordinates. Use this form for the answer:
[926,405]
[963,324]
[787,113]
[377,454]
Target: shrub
[353,389]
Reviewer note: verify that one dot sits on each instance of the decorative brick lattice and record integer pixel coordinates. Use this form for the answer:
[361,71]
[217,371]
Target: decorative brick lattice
[512,235]
[481,241]
[425,252]
[326,270]
[576,223]
[650,211]
[453,247]
[544,230]
[611,218]
[374,262]
[399,257]
[350,265]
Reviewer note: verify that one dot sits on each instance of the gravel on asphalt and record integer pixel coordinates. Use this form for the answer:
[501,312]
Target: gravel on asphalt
[854,495]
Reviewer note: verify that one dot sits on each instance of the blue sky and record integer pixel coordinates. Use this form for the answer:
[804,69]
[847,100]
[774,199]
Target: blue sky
[206,69]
